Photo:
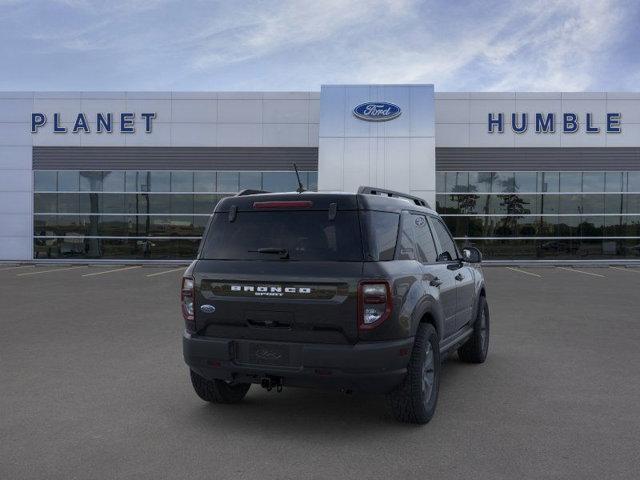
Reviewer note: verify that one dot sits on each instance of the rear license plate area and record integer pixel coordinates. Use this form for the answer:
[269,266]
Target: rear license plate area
[266,353]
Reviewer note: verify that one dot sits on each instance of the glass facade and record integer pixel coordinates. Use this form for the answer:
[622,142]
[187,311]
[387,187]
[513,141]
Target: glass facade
[136,214]
[543,215]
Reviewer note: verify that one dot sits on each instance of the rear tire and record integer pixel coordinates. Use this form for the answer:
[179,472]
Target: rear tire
[476,348]
[218,391]
[414,401]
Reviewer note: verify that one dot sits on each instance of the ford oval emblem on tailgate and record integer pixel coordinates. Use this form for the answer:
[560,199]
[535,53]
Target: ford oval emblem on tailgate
[207,308]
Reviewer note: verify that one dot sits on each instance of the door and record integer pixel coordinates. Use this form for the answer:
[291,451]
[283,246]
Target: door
[462,275]
[437,275]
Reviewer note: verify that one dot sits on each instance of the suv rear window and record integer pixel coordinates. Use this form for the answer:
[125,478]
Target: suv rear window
[304,235]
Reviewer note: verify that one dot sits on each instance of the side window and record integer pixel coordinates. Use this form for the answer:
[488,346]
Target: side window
[424,241]
[406,249]
[447,251]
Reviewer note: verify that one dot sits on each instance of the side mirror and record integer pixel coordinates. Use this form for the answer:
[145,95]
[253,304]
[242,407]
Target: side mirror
[471,255]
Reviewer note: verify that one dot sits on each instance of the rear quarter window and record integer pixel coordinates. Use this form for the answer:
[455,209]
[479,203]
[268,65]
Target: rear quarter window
[382,234]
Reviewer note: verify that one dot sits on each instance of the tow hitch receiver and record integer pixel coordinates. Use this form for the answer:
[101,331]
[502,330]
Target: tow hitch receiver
[269,383]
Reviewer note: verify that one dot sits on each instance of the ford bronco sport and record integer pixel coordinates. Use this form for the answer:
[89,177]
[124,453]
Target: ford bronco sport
[357,292]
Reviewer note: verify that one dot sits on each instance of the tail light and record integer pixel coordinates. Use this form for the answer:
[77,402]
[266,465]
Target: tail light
[374,304]
[186,298]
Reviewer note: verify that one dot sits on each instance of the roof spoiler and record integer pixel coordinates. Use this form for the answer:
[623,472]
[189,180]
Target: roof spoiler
[249,191]
[390,193]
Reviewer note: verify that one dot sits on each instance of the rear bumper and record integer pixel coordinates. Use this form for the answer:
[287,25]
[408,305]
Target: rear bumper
[375,367]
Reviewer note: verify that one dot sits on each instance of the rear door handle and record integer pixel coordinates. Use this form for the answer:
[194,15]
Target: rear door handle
[435,282]
[459,277]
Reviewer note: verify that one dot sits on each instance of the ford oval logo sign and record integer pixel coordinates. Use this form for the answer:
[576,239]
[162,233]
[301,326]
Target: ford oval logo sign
[377,111]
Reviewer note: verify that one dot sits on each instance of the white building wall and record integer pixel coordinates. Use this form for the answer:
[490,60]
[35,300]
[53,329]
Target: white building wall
[461,118]
[398,154]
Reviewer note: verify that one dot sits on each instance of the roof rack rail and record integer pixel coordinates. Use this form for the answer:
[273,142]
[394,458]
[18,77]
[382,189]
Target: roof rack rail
[249,191]
[390,193]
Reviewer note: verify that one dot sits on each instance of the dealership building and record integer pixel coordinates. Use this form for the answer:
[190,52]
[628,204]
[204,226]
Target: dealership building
[135,175]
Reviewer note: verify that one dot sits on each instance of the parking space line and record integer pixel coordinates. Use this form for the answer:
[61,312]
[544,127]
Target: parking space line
[111,271]
[581,271]
[522,271]
[626,269]
[15,268]
[166,271]
[50,271]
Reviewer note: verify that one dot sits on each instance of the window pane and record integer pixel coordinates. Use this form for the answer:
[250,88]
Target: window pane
[592,226]
[592,203]
[159,182]
[113,203]
[457,225]
[406,243]
[633,182]
[136,181]
[549,203]
[549,182]
[613,182]
[91,181]
[182,181]
[457,181]
[313,181]
[440,182]
[252,180]
[68,181]
[279,181]
[182,203]
[447,246]
[382,234]
[113,181]
[570,181]
[480,181]
[613,203]
[570,203]
[504,182]
[227,182]
[45,181]
[68,203]
[526,182]
[305,235]
[593,182]
[527,226]
[157,203]
[424,240]
[204,181]
[45,203]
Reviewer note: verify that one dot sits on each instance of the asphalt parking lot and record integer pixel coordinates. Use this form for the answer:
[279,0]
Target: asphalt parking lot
[93,385]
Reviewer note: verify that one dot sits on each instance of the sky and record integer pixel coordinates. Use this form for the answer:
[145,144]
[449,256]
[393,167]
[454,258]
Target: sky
[184,45]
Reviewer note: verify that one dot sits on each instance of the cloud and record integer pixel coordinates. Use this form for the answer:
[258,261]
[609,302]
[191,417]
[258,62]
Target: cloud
[299,44]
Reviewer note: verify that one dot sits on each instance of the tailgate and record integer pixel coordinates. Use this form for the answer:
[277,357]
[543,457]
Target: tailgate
[287,301]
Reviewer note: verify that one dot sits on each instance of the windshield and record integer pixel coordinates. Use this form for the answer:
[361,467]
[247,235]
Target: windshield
[286,235]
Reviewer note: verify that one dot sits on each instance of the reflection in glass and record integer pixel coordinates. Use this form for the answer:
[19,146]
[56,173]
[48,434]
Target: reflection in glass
[68,181]
[182,181]
[227,182]
[45,181]
[204,181]
[571,181]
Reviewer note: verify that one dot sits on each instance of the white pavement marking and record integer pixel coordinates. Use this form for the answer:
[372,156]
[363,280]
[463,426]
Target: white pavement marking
[522,271]
[49,271]
[581,271]
[111,271]
[634,270]
[15,268]
[167,271]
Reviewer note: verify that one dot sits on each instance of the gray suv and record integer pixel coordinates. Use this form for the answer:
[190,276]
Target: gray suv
[357,292]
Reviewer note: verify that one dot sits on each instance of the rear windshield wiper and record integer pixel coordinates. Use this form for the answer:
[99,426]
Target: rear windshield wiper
[283,252]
